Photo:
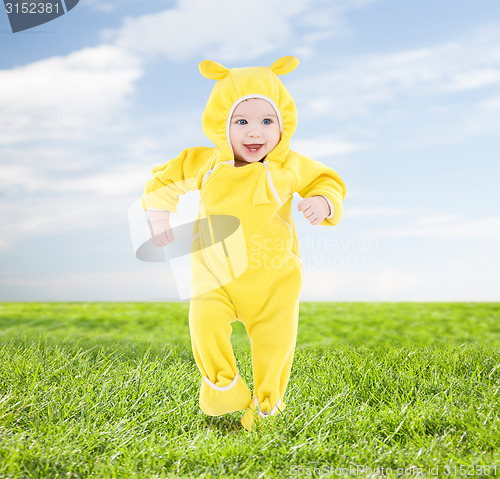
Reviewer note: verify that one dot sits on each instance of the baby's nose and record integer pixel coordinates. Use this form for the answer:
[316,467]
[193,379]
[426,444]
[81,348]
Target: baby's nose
[254,132]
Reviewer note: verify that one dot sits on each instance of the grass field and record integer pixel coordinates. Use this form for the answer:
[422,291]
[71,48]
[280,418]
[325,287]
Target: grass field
[110,390]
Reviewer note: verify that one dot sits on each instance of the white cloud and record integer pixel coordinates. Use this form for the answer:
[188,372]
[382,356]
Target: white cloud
[323,147]
[101,6]
[144,146]
[396,284]
[381,211]
[444,227]
[227,30]
[66,97]
[490,105]
[361,86]
[484,118]
[37,203]
[438,220]
[27,180]
[145,282]
[474,79]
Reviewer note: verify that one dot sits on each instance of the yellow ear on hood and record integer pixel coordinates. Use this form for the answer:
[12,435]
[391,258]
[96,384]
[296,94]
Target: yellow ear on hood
[213,70]
[285,65]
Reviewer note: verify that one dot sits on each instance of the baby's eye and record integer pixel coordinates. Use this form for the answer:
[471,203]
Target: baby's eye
[267,121]
[241,122]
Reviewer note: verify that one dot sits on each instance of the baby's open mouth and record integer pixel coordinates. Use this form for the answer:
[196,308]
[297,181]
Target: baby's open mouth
[253,147]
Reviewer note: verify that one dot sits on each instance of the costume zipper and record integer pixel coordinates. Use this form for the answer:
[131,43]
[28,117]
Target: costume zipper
[211,170]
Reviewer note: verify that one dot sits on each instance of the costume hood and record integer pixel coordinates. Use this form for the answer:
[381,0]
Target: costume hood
[237,84]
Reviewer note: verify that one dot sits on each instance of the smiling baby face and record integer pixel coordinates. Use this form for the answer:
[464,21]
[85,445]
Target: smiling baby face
[254,131]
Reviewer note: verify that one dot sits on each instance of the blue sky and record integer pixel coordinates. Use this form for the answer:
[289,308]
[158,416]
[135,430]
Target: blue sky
[402,99]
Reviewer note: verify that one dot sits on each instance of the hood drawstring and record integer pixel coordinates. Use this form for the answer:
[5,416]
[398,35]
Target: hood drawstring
[260,194]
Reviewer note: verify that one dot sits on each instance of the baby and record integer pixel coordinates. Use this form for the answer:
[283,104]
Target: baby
[250,175]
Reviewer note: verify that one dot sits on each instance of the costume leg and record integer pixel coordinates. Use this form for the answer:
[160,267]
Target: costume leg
[222,388]
[273,337]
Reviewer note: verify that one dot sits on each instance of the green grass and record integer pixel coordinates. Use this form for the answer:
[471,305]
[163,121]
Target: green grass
[110,390]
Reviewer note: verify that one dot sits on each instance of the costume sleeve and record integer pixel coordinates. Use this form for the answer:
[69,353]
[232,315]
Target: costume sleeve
[315,179]
[173,178]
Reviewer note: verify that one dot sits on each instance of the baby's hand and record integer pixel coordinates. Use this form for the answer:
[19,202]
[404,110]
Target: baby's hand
[161,231]
[315,209]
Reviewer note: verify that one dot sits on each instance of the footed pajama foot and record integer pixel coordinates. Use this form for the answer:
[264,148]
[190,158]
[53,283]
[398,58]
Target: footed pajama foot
[253,413]
[216,400]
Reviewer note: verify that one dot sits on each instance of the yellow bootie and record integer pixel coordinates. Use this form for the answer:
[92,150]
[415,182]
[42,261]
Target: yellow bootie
[216,400]
[254,415]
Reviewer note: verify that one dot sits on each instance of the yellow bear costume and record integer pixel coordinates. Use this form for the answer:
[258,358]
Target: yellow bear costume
[264,294]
